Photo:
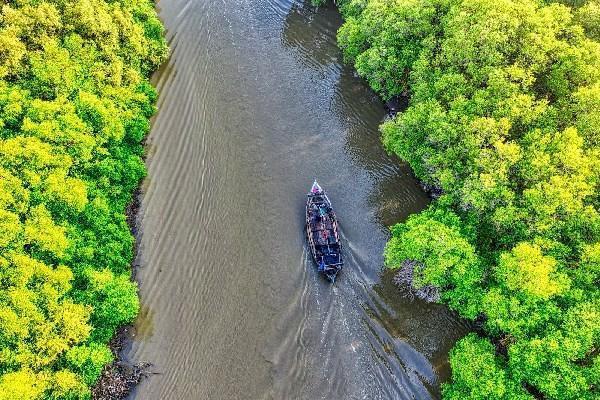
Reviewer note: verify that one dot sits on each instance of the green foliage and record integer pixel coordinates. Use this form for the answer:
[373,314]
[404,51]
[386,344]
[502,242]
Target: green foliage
[74,106]
[115,299]
[504,117]
[88,360]
[560,362]
[445,257]
[479,374]
[383,39]
[588,16]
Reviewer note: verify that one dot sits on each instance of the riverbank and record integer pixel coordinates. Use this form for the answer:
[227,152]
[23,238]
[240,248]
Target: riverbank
[119,378]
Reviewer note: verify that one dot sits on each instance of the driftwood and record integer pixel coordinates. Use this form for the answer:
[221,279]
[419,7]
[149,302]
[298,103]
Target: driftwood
[118,380]
[404,279]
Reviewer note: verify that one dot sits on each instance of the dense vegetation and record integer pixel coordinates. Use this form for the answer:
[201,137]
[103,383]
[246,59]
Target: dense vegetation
[74,106]
[504,117]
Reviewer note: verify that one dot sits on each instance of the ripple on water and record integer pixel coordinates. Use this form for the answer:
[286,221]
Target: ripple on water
[254,102]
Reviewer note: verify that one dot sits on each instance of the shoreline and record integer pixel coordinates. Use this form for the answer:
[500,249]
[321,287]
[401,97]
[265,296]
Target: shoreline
[120,378]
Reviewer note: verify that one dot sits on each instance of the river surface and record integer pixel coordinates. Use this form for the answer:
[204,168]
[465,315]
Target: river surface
[254,103]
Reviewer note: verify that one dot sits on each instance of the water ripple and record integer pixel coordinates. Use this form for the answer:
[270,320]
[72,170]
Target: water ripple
[255,102]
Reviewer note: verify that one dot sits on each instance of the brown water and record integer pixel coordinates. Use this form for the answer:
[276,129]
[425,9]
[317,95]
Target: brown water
[254,103]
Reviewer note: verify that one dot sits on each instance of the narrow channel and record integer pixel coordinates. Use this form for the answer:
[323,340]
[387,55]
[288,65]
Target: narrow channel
[254,103]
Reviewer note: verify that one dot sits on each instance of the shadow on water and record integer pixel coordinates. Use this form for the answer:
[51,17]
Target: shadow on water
[396,194]
[431,328]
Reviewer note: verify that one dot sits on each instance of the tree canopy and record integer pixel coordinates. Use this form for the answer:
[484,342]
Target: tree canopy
[504,118]
[74,106]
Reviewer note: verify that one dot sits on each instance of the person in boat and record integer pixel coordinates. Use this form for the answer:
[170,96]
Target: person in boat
[315,213]
[315,219]
[325,236]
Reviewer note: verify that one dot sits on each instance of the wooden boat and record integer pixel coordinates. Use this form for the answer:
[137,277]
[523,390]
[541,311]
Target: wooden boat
[323,234]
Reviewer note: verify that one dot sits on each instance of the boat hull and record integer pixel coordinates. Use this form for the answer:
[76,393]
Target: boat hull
[323,233]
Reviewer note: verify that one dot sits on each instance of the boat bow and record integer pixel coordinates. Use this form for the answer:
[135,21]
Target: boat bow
[316,188]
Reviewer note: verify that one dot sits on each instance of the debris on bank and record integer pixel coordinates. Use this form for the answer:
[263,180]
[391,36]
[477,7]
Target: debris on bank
[119,378]
[404,279]
[396,104]
[434,192]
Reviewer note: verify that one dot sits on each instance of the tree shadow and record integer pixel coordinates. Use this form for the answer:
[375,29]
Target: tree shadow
[311,34]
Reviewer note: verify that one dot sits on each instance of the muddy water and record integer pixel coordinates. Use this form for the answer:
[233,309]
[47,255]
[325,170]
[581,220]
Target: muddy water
[254,103]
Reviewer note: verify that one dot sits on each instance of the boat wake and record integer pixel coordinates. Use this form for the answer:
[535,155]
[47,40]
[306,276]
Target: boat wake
[342,344]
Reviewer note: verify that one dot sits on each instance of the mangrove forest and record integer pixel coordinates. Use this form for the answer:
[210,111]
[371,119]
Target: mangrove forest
[75,103]
[173,238]
[503,121]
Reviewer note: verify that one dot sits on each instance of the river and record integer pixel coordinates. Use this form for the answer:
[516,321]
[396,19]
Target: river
[254,103]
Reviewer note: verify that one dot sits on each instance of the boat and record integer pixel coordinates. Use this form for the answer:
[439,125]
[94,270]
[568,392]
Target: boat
[323,233]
